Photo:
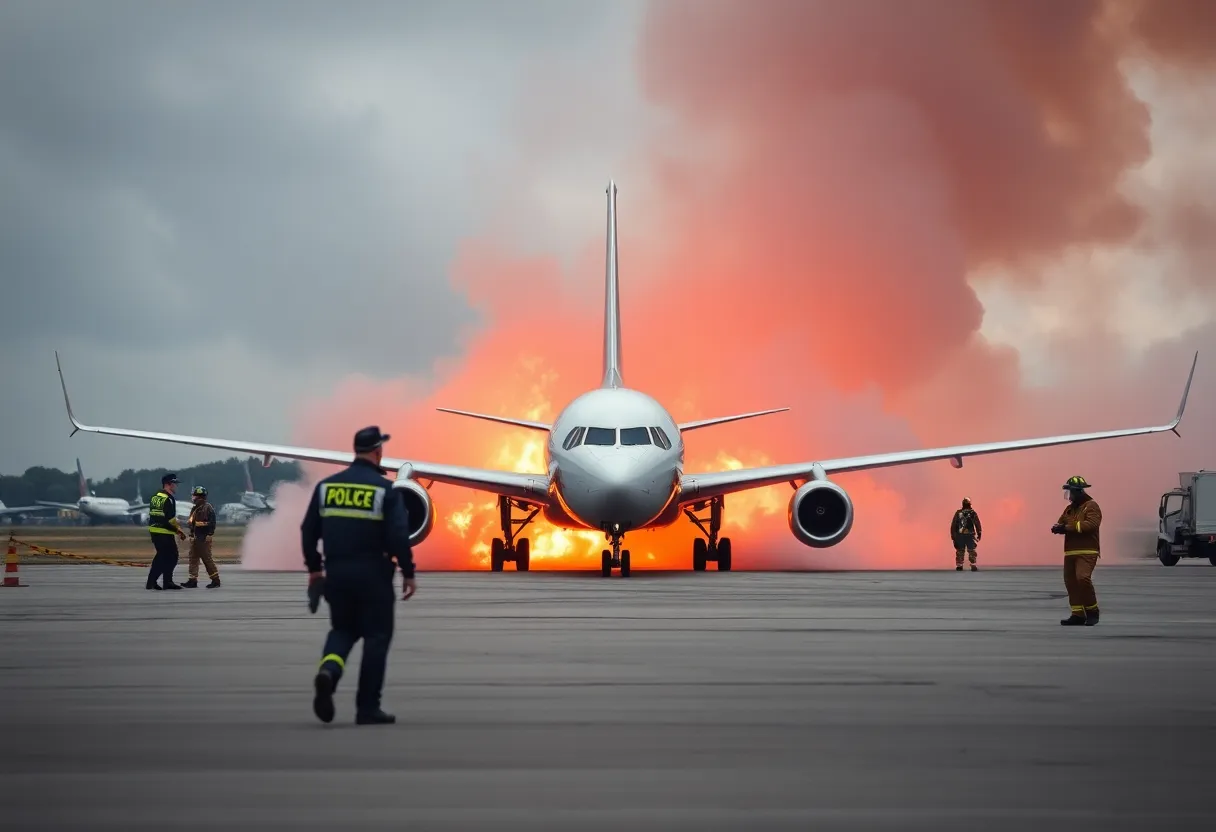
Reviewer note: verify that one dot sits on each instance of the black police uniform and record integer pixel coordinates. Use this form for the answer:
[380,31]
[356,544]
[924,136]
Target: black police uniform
[361,521]
[163,528]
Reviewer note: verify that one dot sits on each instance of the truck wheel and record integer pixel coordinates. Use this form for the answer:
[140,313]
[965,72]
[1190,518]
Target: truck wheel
[1164,554]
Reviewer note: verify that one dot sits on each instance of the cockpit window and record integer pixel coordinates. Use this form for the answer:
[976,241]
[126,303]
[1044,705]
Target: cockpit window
[635,436]
[573,437]
[600,436]
[660,438]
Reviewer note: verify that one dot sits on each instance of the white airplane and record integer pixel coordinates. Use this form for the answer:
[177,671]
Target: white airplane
[615,463]
[255,501]
[17,513]
[101,509]
[234,514]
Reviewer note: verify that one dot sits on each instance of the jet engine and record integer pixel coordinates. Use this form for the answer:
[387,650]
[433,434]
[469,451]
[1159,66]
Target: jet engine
[421,509]
[820,514]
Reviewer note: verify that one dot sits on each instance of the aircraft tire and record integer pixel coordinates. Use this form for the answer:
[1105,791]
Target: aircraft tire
[724,554]
[700,552]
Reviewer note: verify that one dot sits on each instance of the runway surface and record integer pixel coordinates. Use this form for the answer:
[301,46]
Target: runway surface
[917,700]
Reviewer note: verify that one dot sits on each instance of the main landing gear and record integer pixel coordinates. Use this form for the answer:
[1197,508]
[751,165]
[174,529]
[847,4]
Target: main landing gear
[615,558]
[710,547]
[508,547]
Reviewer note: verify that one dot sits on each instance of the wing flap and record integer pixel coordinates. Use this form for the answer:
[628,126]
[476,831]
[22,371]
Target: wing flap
[697,487]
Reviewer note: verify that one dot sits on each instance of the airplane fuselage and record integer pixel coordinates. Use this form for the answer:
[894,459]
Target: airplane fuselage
[614,459]
[104,507]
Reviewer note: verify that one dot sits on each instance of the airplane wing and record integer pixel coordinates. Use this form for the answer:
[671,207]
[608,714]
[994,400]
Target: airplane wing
[531,488]
[6,510]
[698,487]
[45,504]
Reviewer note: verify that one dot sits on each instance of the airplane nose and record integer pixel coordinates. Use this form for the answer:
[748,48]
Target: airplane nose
[626,491]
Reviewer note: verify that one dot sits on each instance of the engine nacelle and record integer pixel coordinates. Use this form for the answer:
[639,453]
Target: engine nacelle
[820,514]
[421,509]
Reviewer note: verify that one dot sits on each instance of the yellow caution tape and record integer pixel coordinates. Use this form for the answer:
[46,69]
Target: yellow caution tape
[56,553]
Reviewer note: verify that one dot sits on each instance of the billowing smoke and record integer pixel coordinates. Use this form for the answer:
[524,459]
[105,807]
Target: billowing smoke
[836,188]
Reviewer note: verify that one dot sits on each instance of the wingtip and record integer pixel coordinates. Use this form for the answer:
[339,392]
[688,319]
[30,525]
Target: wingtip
[67,401]
[1185,394]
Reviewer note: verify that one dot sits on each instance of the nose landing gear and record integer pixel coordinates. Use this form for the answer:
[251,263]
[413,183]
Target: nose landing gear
[709,548]
[508,547]
[616,558]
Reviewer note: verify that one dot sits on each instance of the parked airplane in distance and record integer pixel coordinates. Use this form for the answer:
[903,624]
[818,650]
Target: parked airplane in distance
[16,514]
[101,509]
[615,463]
[255,501]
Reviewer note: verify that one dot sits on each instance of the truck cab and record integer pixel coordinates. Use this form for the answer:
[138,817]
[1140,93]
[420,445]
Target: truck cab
[1186,526]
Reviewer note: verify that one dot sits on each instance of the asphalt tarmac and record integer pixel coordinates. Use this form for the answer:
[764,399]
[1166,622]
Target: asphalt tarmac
[915,700]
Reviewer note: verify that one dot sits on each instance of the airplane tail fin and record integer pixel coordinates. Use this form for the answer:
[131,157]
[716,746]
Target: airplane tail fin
[612,301]
[84,484]
[248,479]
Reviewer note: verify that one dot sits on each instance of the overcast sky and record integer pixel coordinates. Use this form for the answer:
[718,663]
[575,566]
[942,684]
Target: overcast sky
[211,208]
[215,209]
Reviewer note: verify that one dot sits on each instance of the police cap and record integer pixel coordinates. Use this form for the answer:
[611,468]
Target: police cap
[169,478]
[369,439]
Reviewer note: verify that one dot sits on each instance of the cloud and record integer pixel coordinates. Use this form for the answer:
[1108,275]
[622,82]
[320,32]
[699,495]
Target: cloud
[234,190]
[915,226]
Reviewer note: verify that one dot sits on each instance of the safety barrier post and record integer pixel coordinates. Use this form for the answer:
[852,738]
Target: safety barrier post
[10,565]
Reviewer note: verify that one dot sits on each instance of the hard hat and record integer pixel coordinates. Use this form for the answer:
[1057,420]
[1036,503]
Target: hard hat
[1076,484]
[199,491]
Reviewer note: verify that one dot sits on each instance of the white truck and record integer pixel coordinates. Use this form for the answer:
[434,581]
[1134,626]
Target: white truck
[1187,525]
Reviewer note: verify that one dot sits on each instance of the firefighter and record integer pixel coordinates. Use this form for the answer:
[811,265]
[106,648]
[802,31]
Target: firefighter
[1079,524]
[162,526]
[965,532]
[362,524]
[202,529]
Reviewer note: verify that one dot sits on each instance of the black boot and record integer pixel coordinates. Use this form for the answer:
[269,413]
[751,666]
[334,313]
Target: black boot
[153,586]
[1091,617]
[1074,620]
[376,717]
[191,584]
[171,585]
[958,568]
[974,568]
[323,699]
[214,582]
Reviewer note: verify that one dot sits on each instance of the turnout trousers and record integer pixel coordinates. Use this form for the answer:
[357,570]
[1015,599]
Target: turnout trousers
[964,543]
[200,549]
[1078,569]
[360,596]
[165,559]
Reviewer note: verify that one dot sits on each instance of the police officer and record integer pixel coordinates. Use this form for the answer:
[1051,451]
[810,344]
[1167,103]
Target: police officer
[362,523]
[1079,524]
[965,532]
[162,526]
[202,529]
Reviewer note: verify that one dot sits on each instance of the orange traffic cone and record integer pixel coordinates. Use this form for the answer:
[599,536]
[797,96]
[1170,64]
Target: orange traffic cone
[10,566]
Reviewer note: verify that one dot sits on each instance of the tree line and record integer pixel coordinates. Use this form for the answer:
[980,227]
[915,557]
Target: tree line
[225,482]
